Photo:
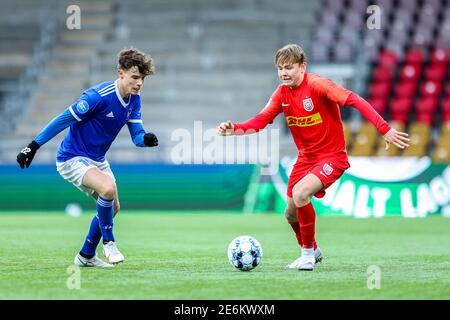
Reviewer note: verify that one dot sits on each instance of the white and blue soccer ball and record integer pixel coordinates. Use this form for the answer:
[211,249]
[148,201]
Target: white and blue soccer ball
[245,253]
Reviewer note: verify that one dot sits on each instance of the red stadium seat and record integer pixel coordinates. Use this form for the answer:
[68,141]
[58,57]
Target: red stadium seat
[382,74]
[447,90]
[388,59]
[410,72]
[380,89]
[435,72]
[379,104]
[406,89]
[440,57]
[426,109]
[445,107]
[431,89]
[414,56]
[400,108]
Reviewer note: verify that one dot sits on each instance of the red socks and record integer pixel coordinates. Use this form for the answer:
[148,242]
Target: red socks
[306,216]
[296,227]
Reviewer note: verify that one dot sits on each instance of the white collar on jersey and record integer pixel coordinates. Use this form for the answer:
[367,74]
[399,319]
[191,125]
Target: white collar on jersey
[120,97]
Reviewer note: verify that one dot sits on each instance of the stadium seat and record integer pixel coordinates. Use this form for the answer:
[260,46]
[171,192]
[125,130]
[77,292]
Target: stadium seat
[419,134]
[343,51]
[431,89]
[382,74]
[364,140]
[406,89]
[414,57]
[447,90]
[400,108]
[422,39]
[445,109]
[388,59]
[441,154]
[380,89]
[426,109]
[440,57]
[445,129]
[435,72]
[347,134]
[442,150]
[410,72]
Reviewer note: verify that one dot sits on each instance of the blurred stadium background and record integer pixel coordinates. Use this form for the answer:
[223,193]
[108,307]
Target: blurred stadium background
[214,62]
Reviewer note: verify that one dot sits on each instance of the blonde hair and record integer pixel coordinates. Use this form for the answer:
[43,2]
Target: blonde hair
[290,54]
[132,57]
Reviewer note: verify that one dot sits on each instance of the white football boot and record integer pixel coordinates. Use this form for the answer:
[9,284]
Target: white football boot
[112,253]
[317,255]
[307,260]
[95,261]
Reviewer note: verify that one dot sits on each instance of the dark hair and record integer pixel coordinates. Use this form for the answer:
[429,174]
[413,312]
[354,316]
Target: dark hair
[132,57]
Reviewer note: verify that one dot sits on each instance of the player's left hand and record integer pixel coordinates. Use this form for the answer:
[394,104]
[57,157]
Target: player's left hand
[399,139]
[150,139]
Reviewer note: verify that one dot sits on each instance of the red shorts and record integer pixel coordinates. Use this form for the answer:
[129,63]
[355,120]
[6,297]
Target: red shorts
[328,170]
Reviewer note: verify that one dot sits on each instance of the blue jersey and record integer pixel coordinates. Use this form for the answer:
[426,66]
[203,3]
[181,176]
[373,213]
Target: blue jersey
[100,113]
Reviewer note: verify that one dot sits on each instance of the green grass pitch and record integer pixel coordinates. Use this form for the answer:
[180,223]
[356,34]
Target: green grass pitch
[183,256]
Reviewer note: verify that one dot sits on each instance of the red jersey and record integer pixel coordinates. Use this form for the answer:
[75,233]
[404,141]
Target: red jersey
[313,116]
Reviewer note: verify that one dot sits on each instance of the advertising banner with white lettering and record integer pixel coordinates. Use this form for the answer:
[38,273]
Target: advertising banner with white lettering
[378,187]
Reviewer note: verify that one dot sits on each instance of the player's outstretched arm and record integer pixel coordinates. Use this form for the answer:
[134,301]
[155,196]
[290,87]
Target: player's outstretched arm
[399,139]
[225,128]
[54,127]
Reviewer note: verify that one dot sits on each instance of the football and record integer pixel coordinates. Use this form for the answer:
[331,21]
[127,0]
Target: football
[245,253]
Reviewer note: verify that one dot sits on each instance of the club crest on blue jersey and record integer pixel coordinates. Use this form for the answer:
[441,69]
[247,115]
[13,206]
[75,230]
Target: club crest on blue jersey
[82,106]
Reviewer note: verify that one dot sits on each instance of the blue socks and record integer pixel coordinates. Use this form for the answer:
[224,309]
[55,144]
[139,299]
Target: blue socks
[101,225]
[105,213]
[92,239]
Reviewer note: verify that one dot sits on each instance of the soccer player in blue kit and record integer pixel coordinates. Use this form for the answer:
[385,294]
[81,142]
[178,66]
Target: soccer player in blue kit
[95,119]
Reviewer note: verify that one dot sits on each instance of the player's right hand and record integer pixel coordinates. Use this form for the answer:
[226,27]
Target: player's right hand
[26,155]
[225,128]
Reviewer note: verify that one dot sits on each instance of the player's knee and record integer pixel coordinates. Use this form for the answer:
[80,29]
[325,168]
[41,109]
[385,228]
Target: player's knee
[290,215]
[301,197]
[108,190]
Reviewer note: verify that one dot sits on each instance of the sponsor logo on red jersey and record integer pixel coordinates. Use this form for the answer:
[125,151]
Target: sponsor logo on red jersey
[307,121]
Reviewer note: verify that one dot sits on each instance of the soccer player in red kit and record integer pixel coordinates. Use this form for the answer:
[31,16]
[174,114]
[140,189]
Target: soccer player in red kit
[310,105]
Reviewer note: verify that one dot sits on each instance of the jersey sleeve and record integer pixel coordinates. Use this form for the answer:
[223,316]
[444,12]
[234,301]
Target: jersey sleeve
[54,127]
[326,88]
[369,113]
[137,133]
[266,116]
[136,116]
[85,105]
